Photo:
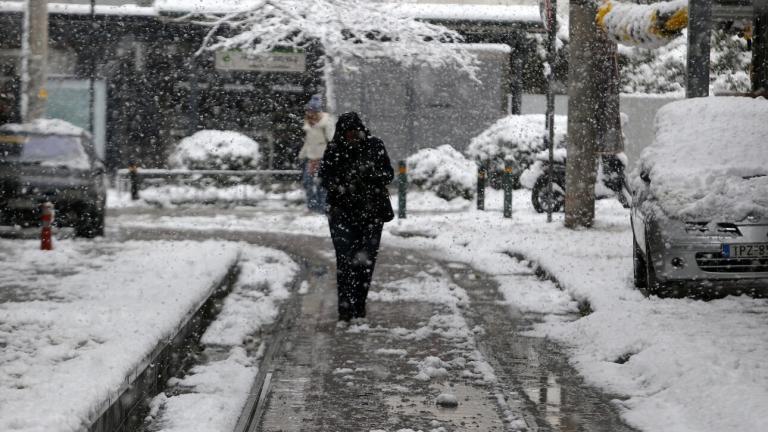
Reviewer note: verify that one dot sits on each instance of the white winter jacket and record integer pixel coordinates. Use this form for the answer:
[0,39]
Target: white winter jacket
[317,137]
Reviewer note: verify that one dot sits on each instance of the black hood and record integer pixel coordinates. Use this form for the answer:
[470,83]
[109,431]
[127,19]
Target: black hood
[349,121]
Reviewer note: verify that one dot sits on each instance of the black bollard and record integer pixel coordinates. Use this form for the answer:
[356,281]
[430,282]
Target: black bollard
[402,188]
[133,171]
[507,186]
[481,175]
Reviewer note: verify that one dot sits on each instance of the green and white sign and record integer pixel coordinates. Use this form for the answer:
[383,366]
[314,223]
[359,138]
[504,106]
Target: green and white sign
[272,62]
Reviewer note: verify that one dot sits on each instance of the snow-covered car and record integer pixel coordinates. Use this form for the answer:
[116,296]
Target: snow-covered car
[51,160]
[700,200]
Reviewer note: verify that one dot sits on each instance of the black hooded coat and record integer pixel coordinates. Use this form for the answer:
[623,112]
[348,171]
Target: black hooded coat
[356,175]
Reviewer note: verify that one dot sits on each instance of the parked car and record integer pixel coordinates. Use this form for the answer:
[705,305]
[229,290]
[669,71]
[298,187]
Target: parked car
[51,160]
[700,200]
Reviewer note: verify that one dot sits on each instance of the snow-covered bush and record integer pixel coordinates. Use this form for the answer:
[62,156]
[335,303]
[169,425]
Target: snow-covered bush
[216,150]
[444,171]
[517,138]
[662,70]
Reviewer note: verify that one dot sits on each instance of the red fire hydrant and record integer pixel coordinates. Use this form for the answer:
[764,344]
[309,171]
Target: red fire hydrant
[46,217]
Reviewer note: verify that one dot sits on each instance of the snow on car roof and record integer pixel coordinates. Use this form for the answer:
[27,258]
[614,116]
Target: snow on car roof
[709,158]
[45,126]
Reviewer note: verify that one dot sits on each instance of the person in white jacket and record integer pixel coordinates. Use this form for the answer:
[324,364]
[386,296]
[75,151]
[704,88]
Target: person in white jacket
[318,132]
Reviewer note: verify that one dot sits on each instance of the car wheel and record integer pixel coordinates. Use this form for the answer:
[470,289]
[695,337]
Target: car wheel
[541,199]
[90,224]
[641,270]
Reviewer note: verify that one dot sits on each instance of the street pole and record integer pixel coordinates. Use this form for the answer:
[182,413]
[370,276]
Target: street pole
[34,63]
[760,48]
[550,116]
[92,67]
[697,62]
[586,40]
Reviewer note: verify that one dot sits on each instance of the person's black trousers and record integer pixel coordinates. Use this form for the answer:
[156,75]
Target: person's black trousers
[357,246]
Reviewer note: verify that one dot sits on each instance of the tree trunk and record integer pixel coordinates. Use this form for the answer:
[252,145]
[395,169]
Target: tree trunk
[587,60]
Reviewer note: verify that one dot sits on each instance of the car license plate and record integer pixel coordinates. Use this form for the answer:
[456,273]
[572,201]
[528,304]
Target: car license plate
[746,250]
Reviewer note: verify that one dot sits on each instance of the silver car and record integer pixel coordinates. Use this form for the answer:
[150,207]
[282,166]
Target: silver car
[699,197]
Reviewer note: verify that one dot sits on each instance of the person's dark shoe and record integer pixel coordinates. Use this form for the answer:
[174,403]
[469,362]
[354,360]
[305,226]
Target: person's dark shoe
[345,312]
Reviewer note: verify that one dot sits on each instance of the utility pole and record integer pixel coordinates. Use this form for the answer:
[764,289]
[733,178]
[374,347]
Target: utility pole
[697,61]
[760,48]
[588,46]
[34,68]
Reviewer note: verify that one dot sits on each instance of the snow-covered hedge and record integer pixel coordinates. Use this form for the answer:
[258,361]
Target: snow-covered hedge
[709,159]
[444,171]
[515,137]
[213,149]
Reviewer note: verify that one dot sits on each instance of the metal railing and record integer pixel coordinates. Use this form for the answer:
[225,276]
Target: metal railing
[131,179]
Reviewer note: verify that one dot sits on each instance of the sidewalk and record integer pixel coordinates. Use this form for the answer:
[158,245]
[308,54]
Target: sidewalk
[76,323]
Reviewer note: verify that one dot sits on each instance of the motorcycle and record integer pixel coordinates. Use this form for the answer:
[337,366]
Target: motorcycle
[610,180]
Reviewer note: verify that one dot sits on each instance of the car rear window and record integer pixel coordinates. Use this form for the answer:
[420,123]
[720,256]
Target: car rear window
[43,148]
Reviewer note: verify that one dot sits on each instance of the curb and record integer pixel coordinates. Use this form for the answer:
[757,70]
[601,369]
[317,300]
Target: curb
[122,409]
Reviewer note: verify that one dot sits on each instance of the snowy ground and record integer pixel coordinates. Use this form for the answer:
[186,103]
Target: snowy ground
[212,395]
[682,365]
[90,310]
[75,322]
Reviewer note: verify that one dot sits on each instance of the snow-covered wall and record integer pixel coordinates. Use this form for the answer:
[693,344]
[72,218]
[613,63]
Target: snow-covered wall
[421,107]
[640,108]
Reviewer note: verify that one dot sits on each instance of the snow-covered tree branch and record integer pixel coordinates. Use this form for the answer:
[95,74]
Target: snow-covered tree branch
[647,26]
[345,29]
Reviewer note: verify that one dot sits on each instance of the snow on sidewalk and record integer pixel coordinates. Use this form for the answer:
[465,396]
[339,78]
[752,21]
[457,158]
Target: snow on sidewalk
[211,397]
[75,322]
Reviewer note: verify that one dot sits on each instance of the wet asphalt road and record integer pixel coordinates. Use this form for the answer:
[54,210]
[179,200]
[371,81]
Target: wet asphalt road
[364,377]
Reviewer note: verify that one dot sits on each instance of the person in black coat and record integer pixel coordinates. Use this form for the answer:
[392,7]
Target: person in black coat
[355,171]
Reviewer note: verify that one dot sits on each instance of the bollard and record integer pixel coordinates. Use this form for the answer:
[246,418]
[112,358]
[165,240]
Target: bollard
[133,170]
[402,188]
[507,186]
[46,217]
[481,175]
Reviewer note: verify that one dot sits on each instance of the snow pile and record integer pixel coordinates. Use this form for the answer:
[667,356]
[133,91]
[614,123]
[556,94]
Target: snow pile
[423,287]
[45,127]
[517,138]
[241,194]
[212,150]
[443,170]
[72,330]
[431,367]
[648,26]
[212,395]
[265,276]
[709,159]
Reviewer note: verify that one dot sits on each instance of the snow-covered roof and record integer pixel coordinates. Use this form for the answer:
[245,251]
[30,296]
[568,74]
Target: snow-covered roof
[204,6]
[436,12]
[45,126]
[471,12]
[709,158]
[84,9]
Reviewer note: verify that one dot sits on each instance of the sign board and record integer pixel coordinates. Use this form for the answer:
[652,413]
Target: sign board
[271,62]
